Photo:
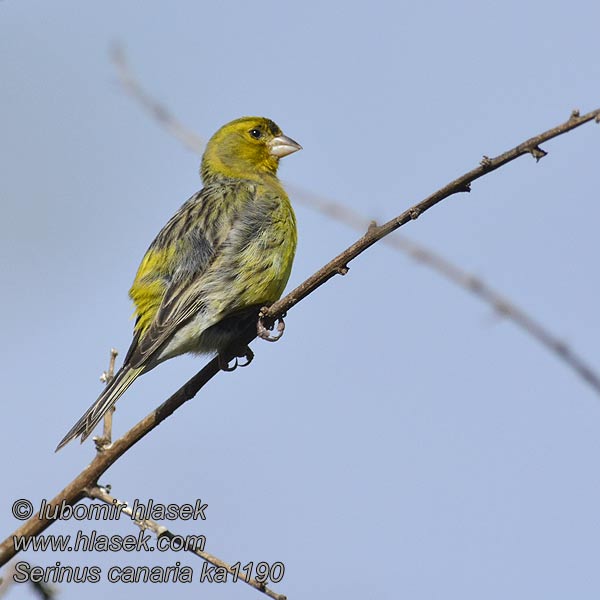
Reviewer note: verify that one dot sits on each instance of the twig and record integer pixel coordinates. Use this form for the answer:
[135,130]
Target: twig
[101,493]
[107,376]
[88,478]
[501,304]
[76,490]
[106,438]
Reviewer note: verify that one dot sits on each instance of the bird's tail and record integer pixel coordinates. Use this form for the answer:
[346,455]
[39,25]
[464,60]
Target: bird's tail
[107,399]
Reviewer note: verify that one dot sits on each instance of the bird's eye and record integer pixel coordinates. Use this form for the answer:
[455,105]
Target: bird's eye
[256,133]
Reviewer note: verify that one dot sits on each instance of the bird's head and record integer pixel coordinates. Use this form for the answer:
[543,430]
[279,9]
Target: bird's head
[246,148]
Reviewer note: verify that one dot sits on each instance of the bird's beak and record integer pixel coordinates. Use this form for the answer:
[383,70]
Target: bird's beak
[282,145]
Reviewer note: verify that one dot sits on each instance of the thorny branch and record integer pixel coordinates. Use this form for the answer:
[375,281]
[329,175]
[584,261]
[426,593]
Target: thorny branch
[101,493]
[477,286]
[76,490]
[500,303]
[88,478]
[461,184]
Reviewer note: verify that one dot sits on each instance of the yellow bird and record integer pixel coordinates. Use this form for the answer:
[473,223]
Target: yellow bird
[227,252]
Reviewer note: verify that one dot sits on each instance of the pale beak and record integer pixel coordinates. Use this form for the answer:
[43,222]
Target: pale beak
[282,145]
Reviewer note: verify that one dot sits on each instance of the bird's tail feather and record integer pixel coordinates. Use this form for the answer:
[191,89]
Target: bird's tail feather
[107,399]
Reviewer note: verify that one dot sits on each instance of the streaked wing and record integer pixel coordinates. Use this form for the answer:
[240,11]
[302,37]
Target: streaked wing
[201,228]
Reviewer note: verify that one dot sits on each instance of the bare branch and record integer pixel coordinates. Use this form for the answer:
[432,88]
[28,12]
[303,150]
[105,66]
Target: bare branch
[460,184]
[477,286]
[88,478]
[501,304]
[101,493]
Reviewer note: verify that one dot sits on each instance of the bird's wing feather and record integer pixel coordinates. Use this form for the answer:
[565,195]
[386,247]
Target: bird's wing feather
[203,241]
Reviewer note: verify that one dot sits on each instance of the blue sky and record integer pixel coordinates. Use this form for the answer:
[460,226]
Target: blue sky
[400,440]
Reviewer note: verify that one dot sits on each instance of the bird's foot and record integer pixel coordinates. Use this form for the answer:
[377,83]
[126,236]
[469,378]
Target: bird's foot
[248,355]
[226,364]
[264,327]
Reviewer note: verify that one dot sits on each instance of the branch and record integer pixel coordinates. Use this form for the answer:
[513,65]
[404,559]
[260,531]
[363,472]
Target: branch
[501,304]
[339,265]
[107,377]
[101,493]
[88,478]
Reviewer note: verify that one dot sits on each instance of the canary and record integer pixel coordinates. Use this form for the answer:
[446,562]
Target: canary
[227,252]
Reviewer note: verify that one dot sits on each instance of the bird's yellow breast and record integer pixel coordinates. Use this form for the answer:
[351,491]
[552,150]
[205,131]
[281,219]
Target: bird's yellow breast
[264,261]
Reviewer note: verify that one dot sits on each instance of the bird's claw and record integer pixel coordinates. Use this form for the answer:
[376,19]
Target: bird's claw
[264,331]
[225,365]
[248,355]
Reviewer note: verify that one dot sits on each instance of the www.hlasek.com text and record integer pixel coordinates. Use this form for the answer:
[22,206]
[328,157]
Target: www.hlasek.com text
[98,542]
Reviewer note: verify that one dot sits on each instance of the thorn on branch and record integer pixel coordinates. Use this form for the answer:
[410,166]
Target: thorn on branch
[537,153]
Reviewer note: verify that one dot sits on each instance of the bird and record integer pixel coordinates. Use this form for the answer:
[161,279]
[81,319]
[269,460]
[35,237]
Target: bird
[227,252]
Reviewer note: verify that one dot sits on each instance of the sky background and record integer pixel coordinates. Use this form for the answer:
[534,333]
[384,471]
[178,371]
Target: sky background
[400,441]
